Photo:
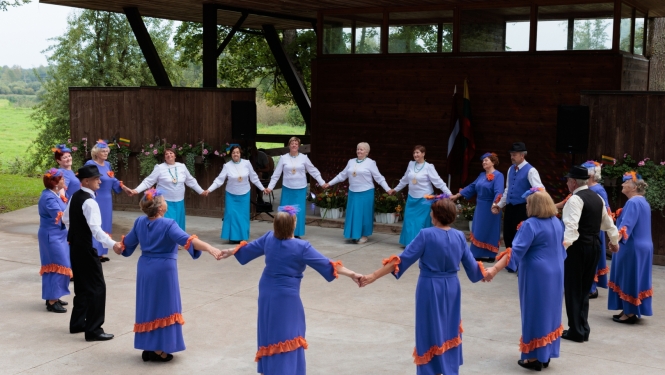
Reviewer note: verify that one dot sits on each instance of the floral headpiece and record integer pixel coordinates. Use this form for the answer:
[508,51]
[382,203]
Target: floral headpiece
[487,155]
[102,144]
[151,194]
[632,175]
[53,173]
[532,190]
[61,149]
[436,198]
[291,209]
[591,164]
[229,147]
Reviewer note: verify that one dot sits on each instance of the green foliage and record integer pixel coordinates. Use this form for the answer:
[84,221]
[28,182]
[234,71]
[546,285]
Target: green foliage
[468,209]
[19,192]
[294,117]
[97,49]
[4,4]
[419,38]
[385,203]
[652,173]
[334,197]
[16,133]
[591,34]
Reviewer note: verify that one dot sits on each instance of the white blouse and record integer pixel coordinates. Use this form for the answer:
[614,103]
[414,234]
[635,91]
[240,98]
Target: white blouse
[360,176]
[239,175]
[295,171]
[420,180]
[164,176]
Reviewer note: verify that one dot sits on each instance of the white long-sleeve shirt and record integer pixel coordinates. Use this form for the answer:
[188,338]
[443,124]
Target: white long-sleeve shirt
[294,170]
[361,176]
[425,176]
[533,176]
[164,174]
[94,219]
[243,170]
[572,212]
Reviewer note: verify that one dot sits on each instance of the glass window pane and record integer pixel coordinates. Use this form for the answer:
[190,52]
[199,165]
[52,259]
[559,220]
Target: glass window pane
[500,29]
[418,32]
[368,32]
[626,31]
[639,33]
[336,35]
[575,27]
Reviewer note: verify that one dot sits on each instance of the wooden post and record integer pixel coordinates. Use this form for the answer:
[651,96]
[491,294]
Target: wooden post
[616,32]
[209,45]
[533,31]
[147,47]
[233,31]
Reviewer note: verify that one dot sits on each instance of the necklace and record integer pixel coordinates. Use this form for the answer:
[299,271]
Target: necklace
[174,179]
[236,167]
[293,170]
[358,161]
[416,170]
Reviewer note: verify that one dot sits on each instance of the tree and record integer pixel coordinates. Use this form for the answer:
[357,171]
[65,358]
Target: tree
[247,59]
[591,34]
[4,4]
[97,49]
[656,53]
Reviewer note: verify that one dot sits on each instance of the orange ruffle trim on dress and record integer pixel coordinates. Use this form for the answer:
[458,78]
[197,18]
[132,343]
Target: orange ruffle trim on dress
[238,246]
[498,198]
[64,198]
[56,268]
[507,253]
[617,213]
[437,350]
[601,272]
[189,240]
[393,258]
[482,268]
[541,342]
[121,184]
[623,232]
[519,225]
[57,218]
[334,266]
[159,323]
[282,347]
[630,299]
[483,245]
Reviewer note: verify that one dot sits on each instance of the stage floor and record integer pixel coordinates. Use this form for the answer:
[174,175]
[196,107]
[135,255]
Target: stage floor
[350,330]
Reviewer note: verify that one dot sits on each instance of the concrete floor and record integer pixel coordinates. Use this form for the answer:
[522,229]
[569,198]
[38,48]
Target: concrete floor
[350,330]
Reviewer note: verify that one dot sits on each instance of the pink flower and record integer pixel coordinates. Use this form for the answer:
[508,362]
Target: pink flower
[154,152]
[173,146]
[190,145]
[75,148]
[179,148]
[142,150]
[69,141]
[84,139]
[151,145]
[662,163]
[645,159]
[624,155]
[205,152]
[216,152]
[227,143]
[147,153]
[641,164]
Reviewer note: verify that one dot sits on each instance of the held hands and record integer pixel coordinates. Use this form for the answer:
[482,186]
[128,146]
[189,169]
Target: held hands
[215,252]
[326,185]
[496,209]
[267,191]
[614,248]
[367,279]
[491,272]
[205,193]
[226,253]
[390,192]
[454,197]
[117,248]
[356,277]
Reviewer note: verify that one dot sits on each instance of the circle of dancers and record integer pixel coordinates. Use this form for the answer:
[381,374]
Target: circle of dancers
[557,260]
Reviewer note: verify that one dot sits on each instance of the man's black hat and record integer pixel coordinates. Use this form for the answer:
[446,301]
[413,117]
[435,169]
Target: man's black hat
[518,147]
[88,171]
[578,172]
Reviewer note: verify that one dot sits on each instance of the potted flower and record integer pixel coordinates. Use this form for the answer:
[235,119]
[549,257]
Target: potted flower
[148,158]
[202,152]
[652,172]
[119,152]
[331,202]
[468,209]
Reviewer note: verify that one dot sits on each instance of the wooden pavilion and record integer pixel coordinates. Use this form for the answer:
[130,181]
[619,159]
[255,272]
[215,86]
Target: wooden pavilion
[385,72]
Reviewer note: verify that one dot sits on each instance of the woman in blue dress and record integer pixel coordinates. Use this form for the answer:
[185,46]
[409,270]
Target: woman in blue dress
[159,320]
[538,252]
[53,247]
[419,177]
[281,316]
[63,156]
[630,279]
[488,188]
[109,184]
[439,250]
[600,280]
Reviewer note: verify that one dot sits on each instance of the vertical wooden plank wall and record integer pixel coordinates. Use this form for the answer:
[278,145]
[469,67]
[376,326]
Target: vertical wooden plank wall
[147,114]
[633,123]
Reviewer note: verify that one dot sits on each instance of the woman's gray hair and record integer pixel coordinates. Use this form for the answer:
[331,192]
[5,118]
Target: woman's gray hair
[96,149]
[364,145]
[151,206]
[640,186]
[595,173]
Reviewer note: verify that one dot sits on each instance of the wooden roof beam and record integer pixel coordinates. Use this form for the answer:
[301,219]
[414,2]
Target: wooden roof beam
[231,34]
[147,47]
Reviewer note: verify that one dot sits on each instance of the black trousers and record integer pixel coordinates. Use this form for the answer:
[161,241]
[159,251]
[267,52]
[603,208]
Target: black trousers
[89,294]
[579,271]
[515,213]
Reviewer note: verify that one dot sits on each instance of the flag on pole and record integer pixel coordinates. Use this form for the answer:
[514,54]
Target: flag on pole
[453,134]
[467,133]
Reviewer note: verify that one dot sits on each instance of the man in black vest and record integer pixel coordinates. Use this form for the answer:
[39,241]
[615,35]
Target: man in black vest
[84,221]
[584,216]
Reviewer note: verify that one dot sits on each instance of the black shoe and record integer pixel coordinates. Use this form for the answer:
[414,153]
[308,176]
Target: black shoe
[234,242]
[566,336]
[546,364]
[617,316]
[56,307]
[104,259]
[593,295]
[533,365]
[145,356]
[63,303]
[298,237]
[491,260]
[100,337]
[158,358]
[630,320]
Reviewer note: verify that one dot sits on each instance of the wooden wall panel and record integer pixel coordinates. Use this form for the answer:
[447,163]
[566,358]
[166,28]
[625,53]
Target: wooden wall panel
[147,115]
[634,73]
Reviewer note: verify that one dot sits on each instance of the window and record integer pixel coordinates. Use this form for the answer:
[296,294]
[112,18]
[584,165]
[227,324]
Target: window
[639,33]
[368,33]
[500,29]
[337,35]
[420,32]
[575,27]
[626,30]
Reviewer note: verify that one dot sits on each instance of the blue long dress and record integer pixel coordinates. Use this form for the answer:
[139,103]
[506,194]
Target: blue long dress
[158,308]
[105,201]
[53,247]
[281,316]
[72,183]
[438,296]
[486,225]
[539,253]
[600,280]
[630,279]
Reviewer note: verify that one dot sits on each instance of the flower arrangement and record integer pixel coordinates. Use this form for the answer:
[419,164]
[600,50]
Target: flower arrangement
[334,197]
[467,210]
[385,203]
[652,172]
[148,158]
[115,150]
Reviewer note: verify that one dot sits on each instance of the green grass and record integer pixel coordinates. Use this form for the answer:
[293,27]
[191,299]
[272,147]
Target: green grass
[17,192]
[17,131]
[277,129]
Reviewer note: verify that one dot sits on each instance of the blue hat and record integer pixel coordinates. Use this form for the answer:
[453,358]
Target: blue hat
[61,149]
[102,144]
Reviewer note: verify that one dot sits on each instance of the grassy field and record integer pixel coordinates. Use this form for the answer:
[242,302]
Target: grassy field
[18,192]
[277,129]
[16,131]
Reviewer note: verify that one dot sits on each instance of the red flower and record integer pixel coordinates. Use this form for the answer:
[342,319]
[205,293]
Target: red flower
[490,177]
[111,174]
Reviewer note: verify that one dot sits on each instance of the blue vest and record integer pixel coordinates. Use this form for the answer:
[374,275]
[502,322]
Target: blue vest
[518,184]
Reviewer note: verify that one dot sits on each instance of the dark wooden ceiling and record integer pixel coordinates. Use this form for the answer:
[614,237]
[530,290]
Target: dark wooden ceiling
[191,10]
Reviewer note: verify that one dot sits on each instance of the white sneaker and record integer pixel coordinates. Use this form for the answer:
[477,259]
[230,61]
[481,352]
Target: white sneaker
[362,240]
